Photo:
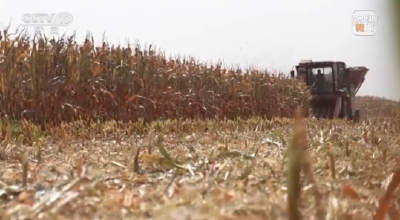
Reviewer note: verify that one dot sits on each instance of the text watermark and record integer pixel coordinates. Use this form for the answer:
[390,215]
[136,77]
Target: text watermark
[40,21]
[364,23]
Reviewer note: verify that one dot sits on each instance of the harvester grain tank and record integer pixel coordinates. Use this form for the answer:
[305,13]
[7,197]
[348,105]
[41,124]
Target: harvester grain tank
[333,87]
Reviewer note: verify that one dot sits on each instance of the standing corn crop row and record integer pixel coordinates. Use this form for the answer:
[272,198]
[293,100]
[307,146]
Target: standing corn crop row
[53,81]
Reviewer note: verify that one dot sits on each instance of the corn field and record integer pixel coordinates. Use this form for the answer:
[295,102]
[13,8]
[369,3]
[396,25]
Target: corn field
[55,166]
[52,81]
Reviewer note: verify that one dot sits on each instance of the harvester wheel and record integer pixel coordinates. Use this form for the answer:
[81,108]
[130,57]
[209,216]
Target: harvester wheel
[349,110]
[357,115]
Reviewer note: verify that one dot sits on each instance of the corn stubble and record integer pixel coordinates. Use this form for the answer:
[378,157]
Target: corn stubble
[169,168]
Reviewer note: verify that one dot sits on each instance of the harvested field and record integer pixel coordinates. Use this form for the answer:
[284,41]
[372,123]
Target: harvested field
[173,154]
[378,107]
[197,170]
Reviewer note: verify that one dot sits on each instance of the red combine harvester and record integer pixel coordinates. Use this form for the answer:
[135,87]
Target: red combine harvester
[333,87]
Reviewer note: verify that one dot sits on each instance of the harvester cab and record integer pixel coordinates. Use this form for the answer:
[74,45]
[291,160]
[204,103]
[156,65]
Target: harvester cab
[333,87]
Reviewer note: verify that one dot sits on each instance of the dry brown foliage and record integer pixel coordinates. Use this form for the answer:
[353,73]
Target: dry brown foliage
[53,81]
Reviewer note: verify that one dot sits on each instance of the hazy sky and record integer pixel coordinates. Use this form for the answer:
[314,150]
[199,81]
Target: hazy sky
[267,33]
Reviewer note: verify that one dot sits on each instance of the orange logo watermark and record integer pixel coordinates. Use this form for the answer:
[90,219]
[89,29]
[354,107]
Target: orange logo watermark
[364,23]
